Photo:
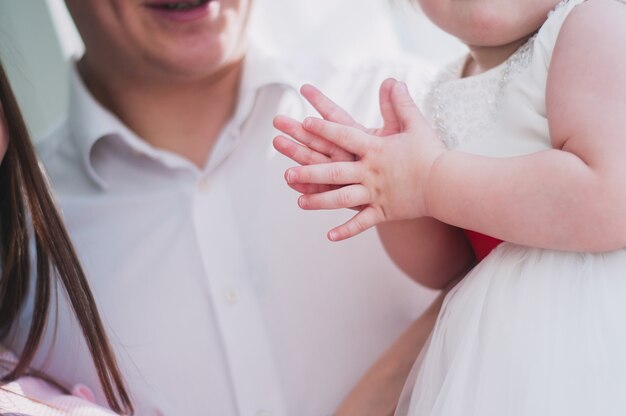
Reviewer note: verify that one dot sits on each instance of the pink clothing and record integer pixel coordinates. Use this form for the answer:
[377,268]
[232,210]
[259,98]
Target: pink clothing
[35,397]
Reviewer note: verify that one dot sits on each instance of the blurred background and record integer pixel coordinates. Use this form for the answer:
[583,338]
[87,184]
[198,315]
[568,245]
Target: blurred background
[38,40]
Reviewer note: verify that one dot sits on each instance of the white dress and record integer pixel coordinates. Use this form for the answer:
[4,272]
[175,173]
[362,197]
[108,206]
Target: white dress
[528,332]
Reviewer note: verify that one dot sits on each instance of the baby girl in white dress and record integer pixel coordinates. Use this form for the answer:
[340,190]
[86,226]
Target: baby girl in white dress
[526,143]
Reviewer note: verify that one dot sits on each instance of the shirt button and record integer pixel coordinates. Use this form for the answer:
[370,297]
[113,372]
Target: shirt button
[204,184]
[232,296]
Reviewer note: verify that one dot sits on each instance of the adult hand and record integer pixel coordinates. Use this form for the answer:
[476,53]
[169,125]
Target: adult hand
[378,391]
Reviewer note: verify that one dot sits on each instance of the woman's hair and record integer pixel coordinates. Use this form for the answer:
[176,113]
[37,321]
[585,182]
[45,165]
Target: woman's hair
[27,212]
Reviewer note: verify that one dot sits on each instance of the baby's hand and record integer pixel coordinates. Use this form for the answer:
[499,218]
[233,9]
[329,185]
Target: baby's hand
[310,149]
[387,177]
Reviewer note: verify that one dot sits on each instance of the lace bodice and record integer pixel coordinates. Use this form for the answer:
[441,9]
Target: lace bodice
[463,109]
[501,112]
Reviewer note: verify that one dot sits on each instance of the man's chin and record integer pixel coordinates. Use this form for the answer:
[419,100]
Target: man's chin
[190,69]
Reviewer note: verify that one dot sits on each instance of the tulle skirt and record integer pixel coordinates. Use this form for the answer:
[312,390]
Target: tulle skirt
[527,332]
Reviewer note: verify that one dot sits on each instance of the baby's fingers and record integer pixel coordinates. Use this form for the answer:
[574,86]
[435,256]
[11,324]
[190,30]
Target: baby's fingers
[298,153]
[365,219]
[345,197]
[337,173]
[391,124]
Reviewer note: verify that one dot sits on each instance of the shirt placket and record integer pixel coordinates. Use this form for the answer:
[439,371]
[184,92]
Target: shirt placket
[246,342]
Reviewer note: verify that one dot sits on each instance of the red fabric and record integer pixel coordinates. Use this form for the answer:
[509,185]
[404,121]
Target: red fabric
[481,243]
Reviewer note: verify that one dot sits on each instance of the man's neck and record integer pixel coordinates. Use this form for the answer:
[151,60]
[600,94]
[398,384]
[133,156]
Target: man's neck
[185,118]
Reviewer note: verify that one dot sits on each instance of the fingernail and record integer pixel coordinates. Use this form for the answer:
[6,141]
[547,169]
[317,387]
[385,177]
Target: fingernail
[290,176]
[332,235]
[302,202]
[307,122]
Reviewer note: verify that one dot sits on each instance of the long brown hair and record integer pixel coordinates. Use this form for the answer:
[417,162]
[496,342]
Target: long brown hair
[28,213]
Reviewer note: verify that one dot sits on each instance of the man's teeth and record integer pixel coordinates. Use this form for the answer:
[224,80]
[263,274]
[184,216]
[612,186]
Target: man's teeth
[184,6]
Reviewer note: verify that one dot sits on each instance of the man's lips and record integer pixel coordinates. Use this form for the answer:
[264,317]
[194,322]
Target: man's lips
[184,11]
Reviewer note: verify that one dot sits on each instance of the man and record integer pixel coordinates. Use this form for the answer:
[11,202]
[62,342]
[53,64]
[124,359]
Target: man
[220,297]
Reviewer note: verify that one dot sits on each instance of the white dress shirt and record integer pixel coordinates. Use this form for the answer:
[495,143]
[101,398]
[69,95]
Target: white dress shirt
[220,296]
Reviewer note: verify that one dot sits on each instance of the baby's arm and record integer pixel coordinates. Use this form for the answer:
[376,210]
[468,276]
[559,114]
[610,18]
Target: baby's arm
[572,197]
[430,252]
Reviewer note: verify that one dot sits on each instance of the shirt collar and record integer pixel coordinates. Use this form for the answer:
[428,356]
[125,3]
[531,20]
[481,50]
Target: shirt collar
[262,68]
[90,122]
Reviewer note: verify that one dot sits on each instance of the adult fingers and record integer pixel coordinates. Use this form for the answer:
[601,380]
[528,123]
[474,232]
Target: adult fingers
[294,129]
[348,138]
[345,197]
[327,108]
[311,188]
[298,153]
[337,173]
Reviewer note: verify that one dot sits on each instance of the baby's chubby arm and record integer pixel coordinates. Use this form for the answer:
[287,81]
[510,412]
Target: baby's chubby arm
[429,251]
[572,197]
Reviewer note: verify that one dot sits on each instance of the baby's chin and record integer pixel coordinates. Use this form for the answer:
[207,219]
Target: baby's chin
[496,23]
[497,37]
